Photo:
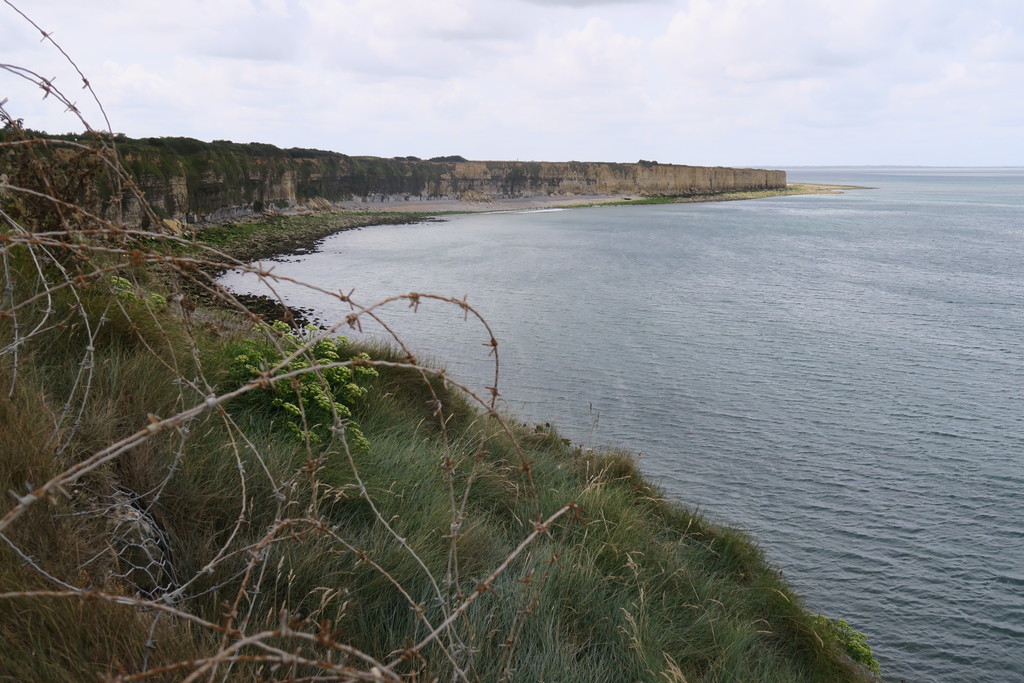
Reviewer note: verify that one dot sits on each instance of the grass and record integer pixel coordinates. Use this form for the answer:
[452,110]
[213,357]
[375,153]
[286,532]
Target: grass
[461,544]
[633,589]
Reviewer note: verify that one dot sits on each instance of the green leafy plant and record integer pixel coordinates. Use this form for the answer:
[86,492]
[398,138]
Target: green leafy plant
[125,290]
[854,642]
[319,391]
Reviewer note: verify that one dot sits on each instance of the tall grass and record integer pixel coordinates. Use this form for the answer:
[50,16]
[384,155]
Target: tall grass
[162,524]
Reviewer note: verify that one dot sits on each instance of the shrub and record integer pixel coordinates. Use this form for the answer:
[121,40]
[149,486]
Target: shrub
[854,642]
[319,391]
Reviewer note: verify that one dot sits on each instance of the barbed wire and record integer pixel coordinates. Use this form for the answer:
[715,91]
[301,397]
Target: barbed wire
[60,287]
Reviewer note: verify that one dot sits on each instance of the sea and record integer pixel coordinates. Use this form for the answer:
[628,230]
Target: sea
[841,375]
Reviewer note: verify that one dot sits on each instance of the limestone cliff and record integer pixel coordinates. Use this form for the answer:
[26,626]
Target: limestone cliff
[193,182]
[515,179]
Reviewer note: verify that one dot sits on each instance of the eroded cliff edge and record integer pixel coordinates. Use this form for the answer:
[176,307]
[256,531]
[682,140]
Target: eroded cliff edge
[195,182]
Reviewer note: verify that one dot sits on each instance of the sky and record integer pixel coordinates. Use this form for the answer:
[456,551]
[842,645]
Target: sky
[764,83]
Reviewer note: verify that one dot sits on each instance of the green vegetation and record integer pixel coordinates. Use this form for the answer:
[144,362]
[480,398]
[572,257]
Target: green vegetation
[727,196]
[191,496]
[222,173]
[251,240]
[312,402]
[197,181]
[126,290]
[854,642]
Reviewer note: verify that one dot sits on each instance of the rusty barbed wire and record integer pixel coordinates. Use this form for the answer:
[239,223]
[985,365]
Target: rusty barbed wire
[52,279]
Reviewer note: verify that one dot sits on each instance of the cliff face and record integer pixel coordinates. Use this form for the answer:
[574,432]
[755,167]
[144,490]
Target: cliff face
[194,182]
[514,179]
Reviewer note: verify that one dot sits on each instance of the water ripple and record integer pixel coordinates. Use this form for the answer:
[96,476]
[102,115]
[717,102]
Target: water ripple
[839,375]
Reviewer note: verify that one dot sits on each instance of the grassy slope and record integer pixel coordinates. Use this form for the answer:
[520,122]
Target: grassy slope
[361,549]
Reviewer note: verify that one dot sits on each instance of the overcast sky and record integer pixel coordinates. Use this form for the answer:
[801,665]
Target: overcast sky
[712,82]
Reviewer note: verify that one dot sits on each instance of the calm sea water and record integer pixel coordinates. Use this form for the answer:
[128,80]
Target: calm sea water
[842,376]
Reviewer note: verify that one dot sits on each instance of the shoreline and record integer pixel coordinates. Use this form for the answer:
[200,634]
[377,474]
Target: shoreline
[541,202]
[276,235]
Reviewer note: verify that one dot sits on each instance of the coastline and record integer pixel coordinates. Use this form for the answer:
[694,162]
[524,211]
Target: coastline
[485,204]
[276,234]
[226,501]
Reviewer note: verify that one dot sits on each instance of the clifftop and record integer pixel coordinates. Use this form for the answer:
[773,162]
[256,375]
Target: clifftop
[197,489]
[193,181]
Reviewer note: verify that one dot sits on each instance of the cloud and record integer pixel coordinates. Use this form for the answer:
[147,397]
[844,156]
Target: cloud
[692,81]
[593,58]
[395,38]
[593,3]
